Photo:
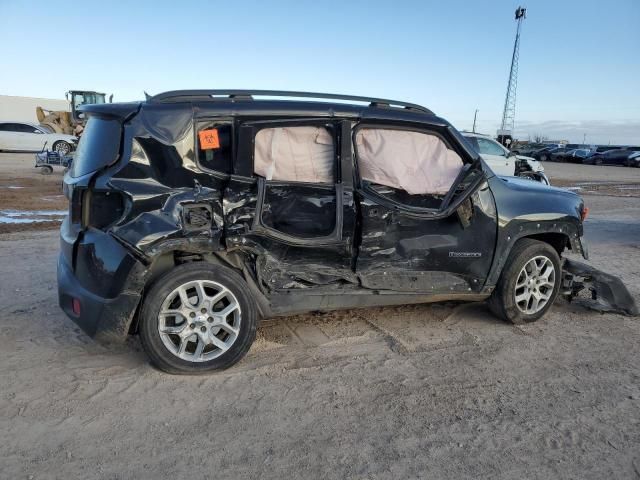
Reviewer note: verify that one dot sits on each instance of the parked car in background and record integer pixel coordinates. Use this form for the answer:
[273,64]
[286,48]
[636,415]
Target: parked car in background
[620,156]
[194,214]
[29,137]
[504,162]
[579,155]
[545,153]
[528,149]
[561,154]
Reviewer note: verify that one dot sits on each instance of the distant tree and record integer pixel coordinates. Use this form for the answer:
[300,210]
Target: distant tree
[539,138]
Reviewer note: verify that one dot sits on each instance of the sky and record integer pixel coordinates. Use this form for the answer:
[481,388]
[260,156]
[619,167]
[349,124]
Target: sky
[579,70]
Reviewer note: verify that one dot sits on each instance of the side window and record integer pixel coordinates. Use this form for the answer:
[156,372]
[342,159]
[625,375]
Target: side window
[298,164]
[215,146]
[295,154]
[24,128]
[12,127]
[488,147]
[413,168]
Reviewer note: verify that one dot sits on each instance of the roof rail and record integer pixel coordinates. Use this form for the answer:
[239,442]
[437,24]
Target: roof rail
[190,95]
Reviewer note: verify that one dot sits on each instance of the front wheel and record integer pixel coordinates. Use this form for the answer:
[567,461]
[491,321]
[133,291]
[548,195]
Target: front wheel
[61,147]
[529,283]
[197,318]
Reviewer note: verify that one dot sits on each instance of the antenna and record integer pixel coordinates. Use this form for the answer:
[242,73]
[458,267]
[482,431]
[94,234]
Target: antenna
[509,113]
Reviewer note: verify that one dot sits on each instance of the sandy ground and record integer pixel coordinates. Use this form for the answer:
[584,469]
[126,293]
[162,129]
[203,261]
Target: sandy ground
[440,391]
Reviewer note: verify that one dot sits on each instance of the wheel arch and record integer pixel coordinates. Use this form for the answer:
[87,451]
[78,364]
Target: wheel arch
[164,262]
[559,236]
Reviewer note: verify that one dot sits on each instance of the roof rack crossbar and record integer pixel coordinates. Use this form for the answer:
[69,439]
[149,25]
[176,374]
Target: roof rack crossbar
[187,95]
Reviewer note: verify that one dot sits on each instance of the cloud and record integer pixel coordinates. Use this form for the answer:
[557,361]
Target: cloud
[597,132]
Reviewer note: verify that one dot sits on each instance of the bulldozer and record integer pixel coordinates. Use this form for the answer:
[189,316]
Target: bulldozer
[70,122]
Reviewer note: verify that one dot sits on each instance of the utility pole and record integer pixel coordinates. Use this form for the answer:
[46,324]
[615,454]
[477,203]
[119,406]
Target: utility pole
[509,113]
[475,115]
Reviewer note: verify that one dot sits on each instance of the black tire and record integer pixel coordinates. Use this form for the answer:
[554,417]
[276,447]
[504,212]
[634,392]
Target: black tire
[61,147]
[597,161]
[502,301]
[150,337]
[46,170]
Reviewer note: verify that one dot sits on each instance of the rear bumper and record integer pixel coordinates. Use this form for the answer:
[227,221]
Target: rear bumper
[108,300]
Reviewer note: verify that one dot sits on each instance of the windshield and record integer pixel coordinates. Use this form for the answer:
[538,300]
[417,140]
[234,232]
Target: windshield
[87,98]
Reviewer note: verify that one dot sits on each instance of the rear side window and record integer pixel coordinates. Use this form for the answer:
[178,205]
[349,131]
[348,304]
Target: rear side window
[215,146]
[295,154]
[98,147]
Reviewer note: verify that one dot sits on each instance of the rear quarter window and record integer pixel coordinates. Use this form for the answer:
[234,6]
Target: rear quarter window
[99,146]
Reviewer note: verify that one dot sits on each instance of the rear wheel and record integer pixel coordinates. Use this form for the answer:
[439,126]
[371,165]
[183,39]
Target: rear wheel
[46,170]
[198,318]
[529,283]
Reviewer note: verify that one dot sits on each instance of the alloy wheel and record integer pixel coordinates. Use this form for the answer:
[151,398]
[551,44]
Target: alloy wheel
[199,320]
[535,284]
[62,148]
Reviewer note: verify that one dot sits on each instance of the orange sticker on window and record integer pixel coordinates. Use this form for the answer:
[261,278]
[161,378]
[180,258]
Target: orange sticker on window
[209,139]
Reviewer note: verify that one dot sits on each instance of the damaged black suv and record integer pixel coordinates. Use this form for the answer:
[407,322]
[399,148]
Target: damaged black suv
[194,214]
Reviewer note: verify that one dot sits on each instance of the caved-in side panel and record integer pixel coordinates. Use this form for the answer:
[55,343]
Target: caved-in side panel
[404,252]
[301,212]
[279,265]
[170,202]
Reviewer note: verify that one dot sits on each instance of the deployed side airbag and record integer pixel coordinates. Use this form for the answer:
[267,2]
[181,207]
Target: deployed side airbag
[416,162]
[295,154]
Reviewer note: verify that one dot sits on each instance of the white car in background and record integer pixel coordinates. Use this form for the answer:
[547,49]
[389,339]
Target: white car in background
[503,162]
[30,137]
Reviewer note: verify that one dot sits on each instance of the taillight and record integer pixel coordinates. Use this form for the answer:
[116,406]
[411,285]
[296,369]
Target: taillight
[76,205]
[76,307]
[584,213]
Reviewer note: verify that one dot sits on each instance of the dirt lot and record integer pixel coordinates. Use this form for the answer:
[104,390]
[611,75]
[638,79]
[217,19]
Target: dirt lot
[440,391]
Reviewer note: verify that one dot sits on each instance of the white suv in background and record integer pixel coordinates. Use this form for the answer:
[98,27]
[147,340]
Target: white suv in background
[503,162]
[29,137]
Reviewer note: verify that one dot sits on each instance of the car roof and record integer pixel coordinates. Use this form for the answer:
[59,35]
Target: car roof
[475,134]
[250,103]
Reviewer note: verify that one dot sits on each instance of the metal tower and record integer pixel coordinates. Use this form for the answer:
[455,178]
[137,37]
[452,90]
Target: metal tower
[509,113]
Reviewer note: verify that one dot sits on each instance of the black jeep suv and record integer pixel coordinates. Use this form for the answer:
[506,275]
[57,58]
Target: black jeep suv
[194,214]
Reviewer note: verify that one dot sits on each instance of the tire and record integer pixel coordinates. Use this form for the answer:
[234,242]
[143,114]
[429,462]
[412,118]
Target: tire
[46,170]
[61,147]
[543,158]
[597,162]
[190,330]
[503,302]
